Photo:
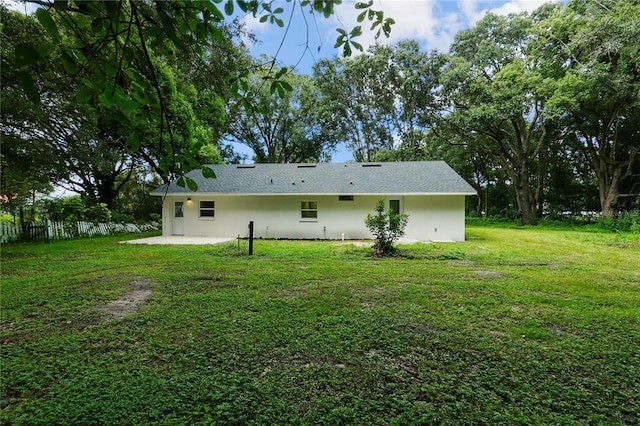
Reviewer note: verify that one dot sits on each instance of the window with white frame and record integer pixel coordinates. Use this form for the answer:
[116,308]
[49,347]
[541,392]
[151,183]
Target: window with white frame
[207,209]
[309,209]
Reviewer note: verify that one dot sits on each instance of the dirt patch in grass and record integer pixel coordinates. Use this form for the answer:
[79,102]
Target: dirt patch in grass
[356,243]
[292,293]
[129,302]
[486,273]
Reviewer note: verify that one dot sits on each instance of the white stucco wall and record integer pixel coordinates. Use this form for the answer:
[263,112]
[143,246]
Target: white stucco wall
[435,218]
[430,217]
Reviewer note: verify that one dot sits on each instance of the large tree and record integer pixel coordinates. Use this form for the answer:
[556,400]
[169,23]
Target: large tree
[280,129]
[26,158]
[84,141]
[596,48]
[358,96]
[497,100]
[417,99]
[379,99]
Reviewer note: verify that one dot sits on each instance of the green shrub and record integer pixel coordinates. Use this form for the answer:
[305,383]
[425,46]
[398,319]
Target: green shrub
[625,222]
[8,218]
[71,209]
[98,213]
[122,218]
[386,227]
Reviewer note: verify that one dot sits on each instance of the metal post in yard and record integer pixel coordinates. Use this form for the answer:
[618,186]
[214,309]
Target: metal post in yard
[250,238]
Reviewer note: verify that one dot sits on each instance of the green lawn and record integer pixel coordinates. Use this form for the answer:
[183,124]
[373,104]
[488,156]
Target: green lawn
[515,326]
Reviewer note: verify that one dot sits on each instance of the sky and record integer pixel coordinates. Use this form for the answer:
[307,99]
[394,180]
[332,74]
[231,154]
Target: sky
[432,23]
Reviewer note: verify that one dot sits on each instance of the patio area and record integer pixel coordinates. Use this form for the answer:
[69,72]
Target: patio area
[179,240]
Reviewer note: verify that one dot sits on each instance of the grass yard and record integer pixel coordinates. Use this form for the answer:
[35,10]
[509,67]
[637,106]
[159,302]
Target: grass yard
[515,326]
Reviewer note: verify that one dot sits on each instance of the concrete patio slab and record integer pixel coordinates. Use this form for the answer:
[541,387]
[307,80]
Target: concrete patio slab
[179,240]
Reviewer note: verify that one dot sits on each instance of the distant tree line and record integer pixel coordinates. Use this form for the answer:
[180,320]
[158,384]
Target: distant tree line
[539,112]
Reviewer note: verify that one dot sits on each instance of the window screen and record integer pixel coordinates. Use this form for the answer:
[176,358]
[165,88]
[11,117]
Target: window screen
[309,210]
[207,208]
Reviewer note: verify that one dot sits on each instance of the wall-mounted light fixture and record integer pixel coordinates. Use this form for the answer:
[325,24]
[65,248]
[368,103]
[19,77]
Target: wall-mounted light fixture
[189,199]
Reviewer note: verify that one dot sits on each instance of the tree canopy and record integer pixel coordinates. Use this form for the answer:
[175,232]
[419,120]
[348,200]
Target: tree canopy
[595,47]
[115,52]
[379,98]
[288,128]
[539,111]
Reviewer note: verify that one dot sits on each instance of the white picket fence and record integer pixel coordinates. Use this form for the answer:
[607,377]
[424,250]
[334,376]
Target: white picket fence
[51,230]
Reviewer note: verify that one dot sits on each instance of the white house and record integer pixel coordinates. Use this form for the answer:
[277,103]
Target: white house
[317,201]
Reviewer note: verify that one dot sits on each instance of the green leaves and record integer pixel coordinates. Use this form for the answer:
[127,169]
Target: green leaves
[324,7]
[387,227]
[133,142]
[208,173]
[68,62]
[48,24]
[29,86]
[364,5]
[278,84]
[346,40]
[106,49]
[271,15]
[228,7]
[188,182]
[248,6]
[25,55]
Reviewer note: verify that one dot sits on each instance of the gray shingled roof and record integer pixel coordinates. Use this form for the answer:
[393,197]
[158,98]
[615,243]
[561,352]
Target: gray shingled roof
[416,177]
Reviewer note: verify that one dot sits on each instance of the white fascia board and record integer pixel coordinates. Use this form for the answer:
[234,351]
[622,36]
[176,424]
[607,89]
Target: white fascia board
[280,194]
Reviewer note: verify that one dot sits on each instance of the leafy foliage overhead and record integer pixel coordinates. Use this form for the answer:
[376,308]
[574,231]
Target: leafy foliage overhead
[109,48]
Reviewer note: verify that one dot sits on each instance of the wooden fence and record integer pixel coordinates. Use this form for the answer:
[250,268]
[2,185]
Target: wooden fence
[50,230]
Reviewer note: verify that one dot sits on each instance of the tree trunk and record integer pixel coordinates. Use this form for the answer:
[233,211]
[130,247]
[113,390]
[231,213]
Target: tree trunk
[527,205]
[540,187]
[609,191]
[611,164]
[524,197]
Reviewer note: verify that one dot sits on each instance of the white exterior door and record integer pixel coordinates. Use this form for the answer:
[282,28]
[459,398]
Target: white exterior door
[178,218]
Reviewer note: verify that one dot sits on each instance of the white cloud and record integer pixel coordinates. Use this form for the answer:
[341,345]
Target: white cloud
[474,10]
[18,6]
[432,23]
[421,20]
[469,10]
[518,6]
